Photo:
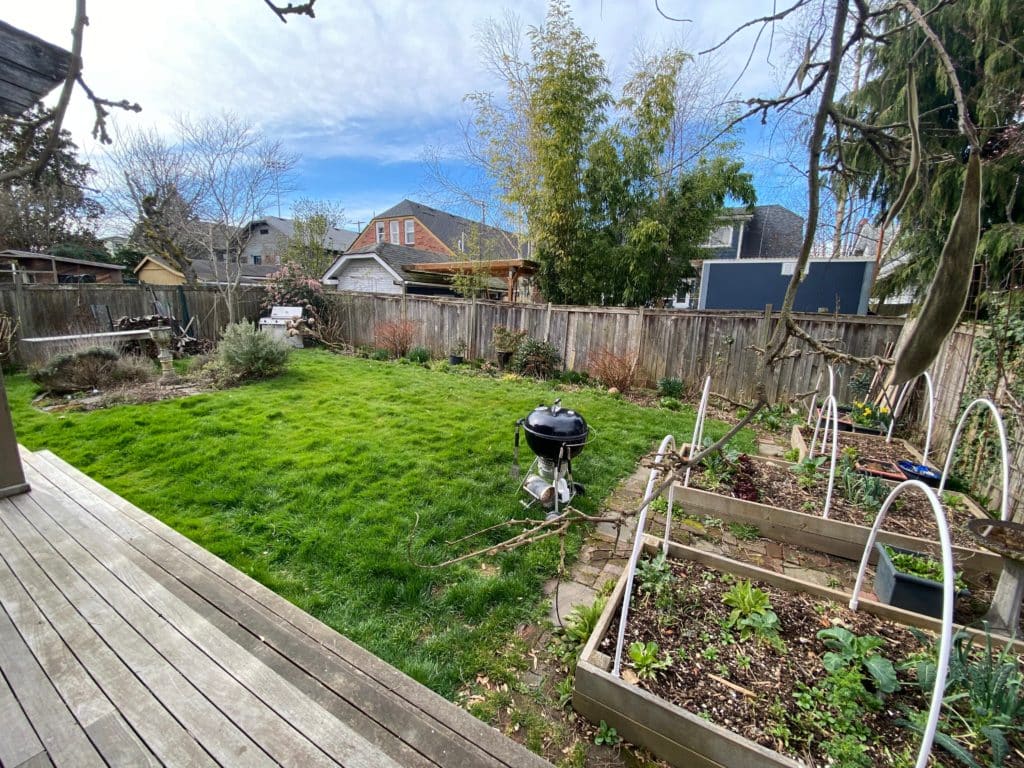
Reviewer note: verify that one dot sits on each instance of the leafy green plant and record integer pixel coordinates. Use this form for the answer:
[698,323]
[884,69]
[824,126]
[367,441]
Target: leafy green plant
[564,691]
[983,705]
[847,649]
[670,403]
[606,736]
[752,613]
[536,358]
[380,354]
[720,466]
[792,455]
[419,355]
[808,472]
[744,531]
[505,339]
[654,575]
[921,565]
[579,626]
[669,387]
[647,660]
[248,353]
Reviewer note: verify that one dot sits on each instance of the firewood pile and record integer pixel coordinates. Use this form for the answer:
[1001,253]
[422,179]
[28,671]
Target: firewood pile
[182,344]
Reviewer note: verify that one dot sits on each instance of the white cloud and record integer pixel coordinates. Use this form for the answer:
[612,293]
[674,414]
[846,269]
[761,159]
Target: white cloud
[368,79]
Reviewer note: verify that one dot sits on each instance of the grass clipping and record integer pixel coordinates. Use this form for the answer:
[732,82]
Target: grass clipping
[923,336]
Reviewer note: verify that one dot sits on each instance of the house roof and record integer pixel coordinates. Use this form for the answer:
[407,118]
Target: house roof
[214,271]
[449,228]
[13,254]
[336,239]
[31,67]
[398,258]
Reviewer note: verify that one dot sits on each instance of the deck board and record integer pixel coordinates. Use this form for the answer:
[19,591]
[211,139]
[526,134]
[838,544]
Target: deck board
[165,654]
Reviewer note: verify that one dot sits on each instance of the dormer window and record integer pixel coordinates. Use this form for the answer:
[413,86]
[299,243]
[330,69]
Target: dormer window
[380,231]
[264,231]
[410,232]
[394,233]
[720,237]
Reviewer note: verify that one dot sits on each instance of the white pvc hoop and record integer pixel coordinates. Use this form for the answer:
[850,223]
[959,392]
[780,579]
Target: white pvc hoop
[833,411]
[638,545]
[946,637]
[931,418]
[698,427]
[814,395]
[904,389]
[1004,504]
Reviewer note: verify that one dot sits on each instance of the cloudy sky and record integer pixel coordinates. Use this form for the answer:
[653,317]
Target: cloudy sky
[360,91]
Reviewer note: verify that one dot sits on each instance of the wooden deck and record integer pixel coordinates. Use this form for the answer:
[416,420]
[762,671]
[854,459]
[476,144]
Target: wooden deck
[124,643]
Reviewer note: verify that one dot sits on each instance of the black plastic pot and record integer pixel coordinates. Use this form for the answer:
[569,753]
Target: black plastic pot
[928,475]
[504,358]
[455,359]
[906,590]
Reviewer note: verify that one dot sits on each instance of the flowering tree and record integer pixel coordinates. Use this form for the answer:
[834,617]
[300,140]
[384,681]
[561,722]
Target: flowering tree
[293,286]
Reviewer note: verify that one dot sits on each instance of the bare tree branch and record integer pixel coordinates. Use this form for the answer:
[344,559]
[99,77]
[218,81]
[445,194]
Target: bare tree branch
[302,9]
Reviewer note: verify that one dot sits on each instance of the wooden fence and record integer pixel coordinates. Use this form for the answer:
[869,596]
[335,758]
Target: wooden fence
[55,310]
[684,345]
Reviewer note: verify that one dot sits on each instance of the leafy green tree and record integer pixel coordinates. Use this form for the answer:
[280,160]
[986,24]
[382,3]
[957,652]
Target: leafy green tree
[609,220]
[311,244]
[984,41]
[39,212]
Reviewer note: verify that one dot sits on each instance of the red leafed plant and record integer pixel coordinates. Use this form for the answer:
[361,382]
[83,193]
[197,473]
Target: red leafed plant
[395,336]
[612,370]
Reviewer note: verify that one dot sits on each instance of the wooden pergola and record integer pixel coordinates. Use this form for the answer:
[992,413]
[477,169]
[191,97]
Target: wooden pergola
[29,69]
[511,270]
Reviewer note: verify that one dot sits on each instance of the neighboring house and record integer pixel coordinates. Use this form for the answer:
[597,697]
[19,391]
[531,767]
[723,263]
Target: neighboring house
[423,228]
[413,248]
[759,232]
[267,237]
[156,271]
[114,243]
[387,268]
[44,268]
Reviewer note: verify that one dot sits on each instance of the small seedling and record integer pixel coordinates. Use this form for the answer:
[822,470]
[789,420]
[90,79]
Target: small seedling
[744,531]
[807,471]
[655,575]
[752,612]
[564,691]
[849,650]
[606,735]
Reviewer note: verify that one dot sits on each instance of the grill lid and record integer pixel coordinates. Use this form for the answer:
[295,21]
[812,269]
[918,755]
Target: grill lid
[557,423]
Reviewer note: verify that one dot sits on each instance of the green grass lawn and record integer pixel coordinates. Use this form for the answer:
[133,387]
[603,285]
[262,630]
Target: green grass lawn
[311,482]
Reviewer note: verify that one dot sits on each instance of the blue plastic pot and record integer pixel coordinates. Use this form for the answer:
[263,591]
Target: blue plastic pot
[927,475]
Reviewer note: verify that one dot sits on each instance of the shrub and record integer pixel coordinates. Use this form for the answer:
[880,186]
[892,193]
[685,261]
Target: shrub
[506,339]
[670,387]
[671,403]
[613,370]
[395,336]
[536,358]
[92,368]
[247,353]
[574,377]
[292,286]
[380,354]
[419,355]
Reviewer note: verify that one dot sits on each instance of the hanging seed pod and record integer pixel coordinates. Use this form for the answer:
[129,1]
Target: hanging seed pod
[922,336]
[914,167]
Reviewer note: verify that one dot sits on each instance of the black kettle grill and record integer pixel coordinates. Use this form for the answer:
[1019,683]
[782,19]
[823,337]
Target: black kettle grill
[556,435]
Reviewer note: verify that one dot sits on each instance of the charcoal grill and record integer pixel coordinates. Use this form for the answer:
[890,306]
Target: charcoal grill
[556,435]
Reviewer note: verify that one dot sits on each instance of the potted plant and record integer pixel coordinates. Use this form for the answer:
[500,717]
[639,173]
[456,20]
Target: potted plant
[910,580]
[457,353]
[865,417]
[506,342]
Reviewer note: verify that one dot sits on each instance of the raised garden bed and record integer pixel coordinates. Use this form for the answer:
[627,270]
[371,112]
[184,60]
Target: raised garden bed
[846,530]
[868,446]
[725,700]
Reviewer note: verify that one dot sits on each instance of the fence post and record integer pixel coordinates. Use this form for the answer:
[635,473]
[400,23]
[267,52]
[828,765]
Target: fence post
[766,334]
[640,337]
[547,324]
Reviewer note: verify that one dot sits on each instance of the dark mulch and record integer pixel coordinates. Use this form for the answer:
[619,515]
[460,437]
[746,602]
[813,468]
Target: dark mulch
[868,446]
[777,486]
[770,678]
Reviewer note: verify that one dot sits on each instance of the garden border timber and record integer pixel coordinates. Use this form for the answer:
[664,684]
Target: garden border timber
[664,728]
[833,537]
[796,440]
